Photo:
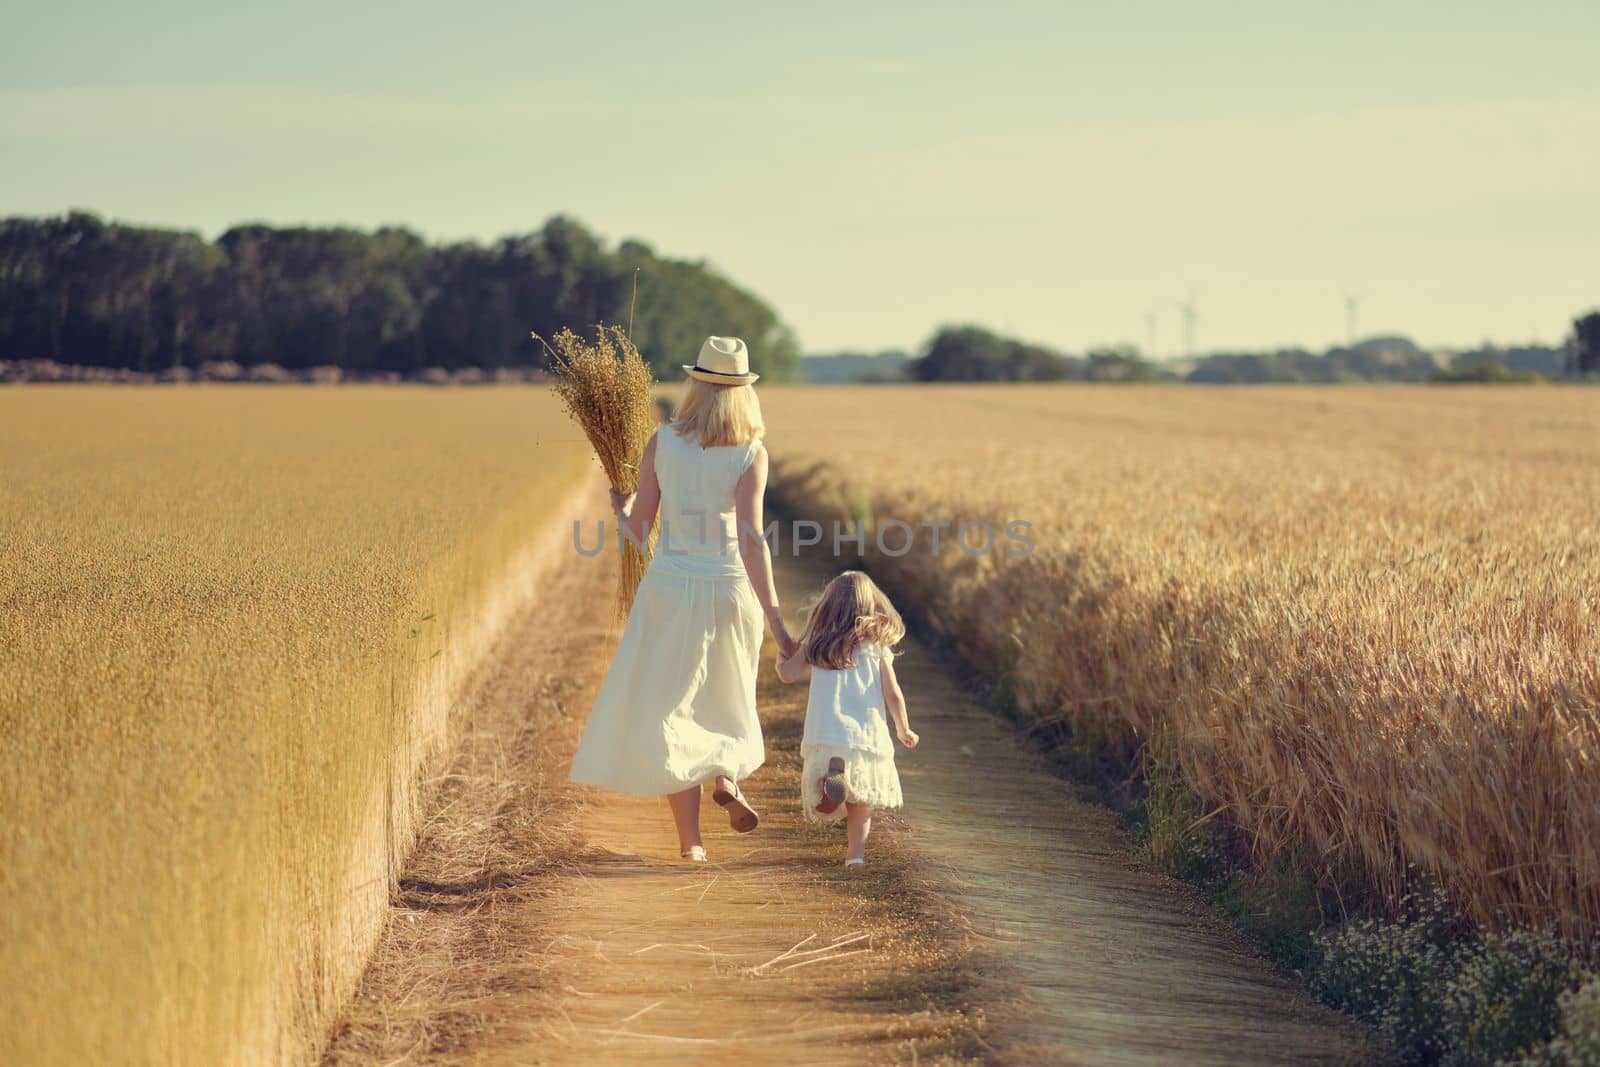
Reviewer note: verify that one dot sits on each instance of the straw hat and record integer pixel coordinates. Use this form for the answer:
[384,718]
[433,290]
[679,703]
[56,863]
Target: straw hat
[723,361]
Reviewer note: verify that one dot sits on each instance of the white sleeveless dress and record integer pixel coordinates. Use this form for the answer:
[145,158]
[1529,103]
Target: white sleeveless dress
[678,705]
[847,718]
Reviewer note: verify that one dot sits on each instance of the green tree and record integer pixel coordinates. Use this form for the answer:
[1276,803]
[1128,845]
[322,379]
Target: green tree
[974,354]
[1586,343]
[1120,364]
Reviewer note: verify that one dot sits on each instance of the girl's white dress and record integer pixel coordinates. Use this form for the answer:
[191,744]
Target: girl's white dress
[679,702]
[846,717]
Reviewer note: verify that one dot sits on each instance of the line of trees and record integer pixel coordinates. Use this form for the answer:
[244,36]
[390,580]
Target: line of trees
[78,290]
[974,354]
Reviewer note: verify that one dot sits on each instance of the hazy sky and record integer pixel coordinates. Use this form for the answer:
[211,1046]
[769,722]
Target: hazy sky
[1056,170]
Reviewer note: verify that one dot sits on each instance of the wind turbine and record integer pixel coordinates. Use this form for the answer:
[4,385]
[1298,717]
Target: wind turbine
[1190,315]
[1352,309]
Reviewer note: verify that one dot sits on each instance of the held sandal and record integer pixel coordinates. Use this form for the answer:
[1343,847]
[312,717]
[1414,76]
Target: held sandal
[741,816]
[831,786]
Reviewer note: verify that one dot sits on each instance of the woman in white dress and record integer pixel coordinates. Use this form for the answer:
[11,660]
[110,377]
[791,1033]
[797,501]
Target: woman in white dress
[678,706]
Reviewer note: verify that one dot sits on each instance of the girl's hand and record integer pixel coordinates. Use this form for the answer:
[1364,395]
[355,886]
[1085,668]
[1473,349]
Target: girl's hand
[908,736]
[619,502]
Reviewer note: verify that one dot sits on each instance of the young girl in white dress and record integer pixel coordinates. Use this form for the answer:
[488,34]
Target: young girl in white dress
[678,705]
[848,649]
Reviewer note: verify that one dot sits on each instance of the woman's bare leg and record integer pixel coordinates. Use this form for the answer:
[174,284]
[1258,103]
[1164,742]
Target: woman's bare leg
[858,824]
[685,807]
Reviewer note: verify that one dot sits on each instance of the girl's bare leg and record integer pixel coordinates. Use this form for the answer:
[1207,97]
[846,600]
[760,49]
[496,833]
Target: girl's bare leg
[685,807]
[858,824]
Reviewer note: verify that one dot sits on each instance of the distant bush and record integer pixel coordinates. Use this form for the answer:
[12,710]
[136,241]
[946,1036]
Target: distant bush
[1491,372]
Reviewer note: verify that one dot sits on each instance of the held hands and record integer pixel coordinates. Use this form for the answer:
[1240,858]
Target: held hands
[786,644]
[908,737]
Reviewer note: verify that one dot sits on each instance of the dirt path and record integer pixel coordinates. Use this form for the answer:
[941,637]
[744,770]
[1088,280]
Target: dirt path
[1116,963]
[540,922]
[544,923]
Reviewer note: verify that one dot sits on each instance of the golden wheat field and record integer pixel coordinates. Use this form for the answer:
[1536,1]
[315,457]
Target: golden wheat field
[233,624]
[1363,623]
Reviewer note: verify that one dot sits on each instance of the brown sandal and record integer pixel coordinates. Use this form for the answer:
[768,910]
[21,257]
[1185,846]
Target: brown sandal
[741,816]
[831,786]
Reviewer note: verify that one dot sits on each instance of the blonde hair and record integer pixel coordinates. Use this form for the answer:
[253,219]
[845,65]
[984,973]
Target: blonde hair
[719,414]
[852,611]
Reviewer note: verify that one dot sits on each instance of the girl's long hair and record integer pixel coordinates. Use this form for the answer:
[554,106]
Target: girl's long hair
[719,414]
[851,612]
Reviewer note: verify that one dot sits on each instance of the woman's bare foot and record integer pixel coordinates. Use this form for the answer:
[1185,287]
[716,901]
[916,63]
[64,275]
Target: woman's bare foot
[741,816]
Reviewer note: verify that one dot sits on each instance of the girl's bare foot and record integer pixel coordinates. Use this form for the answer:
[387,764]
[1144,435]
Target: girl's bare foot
[858,824]
[831,786]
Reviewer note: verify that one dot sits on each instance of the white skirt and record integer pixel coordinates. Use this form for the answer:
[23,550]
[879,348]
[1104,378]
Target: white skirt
[869,778]
[678,705]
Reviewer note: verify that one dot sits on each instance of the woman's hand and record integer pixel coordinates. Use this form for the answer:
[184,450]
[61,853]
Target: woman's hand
[620,503]
[786,644]
[908,736]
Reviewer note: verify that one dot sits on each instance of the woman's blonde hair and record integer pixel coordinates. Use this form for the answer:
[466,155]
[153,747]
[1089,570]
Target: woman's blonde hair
[719,414]
[852,611]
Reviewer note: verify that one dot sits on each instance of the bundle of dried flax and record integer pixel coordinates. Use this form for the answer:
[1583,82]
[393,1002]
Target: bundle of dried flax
[605,386]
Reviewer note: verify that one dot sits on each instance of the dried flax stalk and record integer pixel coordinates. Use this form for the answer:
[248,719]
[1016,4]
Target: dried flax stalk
[605,386]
